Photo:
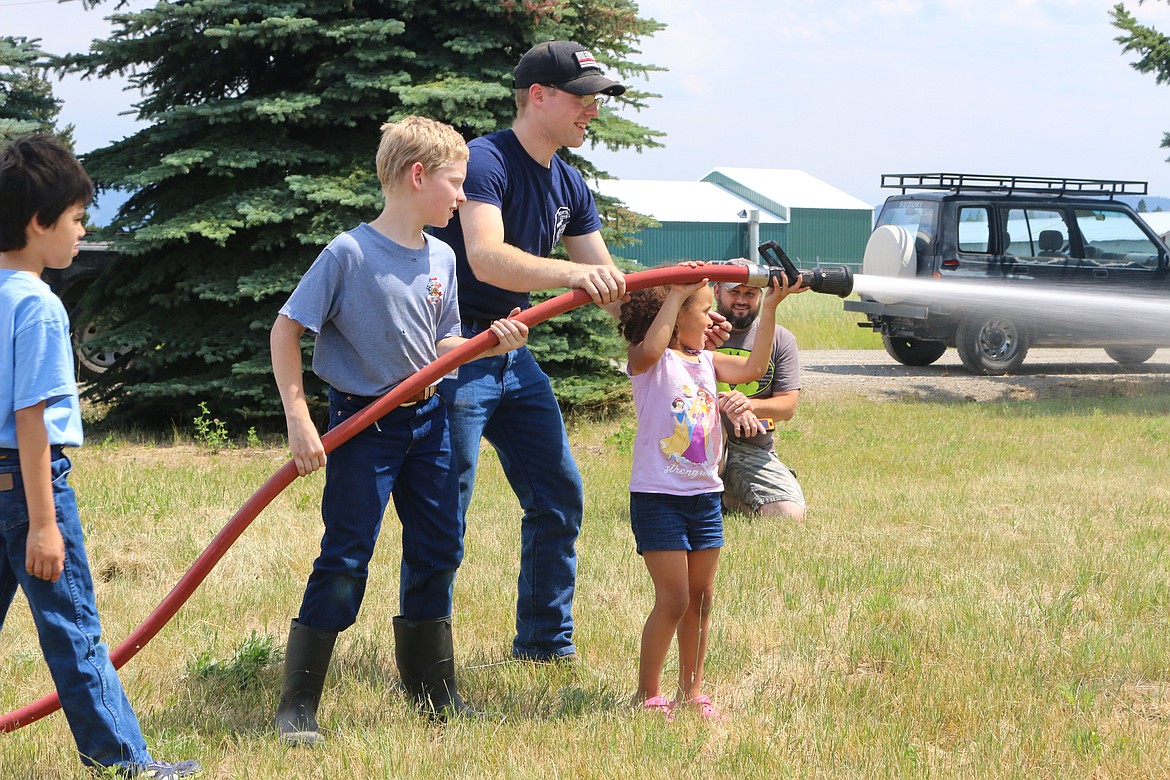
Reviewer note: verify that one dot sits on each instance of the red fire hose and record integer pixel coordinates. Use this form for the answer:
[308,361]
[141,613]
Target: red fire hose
[284,476]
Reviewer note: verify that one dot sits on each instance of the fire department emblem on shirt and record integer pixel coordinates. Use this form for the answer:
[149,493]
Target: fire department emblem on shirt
[562,222]
[434,290]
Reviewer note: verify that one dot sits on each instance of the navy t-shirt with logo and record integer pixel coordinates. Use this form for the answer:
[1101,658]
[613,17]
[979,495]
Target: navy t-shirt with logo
[539,205]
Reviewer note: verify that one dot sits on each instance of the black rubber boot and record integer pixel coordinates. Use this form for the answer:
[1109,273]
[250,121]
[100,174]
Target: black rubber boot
[305,662]
[425,653]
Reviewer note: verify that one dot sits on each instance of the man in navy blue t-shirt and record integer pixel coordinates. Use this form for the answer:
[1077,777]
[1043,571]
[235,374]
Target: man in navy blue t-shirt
[521,200]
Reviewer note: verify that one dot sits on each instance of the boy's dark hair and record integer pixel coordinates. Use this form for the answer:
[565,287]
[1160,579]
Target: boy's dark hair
[39,177]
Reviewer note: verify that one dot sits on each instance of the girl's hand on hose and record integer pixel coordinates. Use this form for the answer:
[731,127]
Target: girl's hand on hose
[780,288]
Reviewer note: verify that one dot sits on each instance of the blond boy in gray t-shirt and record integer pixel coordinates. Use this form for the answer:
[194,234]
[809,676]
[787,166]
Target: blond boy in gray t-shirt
[382,302]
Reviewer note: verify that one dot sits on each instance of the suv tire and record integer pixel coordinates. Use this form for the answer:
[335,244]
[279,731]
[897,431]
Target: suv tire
[1130,357]
[913,352]
[91,362]
[991,346]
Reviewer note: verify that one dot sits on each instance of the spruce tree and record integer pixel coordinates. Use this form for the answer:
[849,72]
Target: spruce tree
[1152,45]
[261,124]
[27,104]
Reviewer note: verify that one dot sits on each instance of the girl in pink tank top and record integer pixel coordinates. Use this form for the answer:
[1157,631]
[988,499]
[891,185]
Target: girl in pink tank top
[675,489]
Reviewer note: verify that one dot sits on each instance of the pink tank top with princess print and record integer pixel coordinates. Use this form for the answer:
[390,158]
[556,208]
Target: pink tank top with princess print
[679,439]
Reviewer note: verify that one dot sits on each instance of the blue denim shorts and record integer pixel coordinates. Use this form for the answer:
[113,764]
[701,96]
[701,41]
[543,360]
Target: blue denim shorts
[661,521]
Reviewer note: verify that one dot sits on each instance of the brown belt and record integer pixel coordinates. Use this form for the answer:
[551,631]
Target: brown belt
[422,395]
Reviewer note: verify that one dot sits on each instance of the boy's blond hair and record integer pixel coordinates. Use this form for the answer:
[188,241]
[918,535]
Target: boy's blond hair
[417,139]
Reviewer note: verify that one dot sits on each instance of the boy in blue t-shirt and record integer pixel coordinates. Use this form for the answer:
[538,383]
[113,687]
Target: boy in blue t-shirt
[43,195]
[382,301]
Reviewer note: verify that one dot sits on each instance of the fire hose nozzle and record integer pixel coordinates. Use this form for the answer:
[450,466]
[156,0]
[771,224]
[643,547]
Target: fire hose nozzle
[833,280]
[759,276]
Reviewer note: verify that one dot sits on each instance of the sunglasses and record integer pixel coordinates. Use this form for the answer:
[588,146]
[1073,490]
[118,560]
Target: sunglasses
[586,101]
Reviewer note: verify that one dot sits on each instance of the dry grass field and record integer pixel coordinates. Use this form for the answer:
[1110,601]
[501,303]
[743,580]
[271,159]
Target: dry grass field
[979,590]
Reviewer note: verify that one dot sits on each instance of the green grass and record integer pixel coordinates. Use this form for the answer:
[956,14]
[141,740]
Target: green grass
[821,322]
[979,590]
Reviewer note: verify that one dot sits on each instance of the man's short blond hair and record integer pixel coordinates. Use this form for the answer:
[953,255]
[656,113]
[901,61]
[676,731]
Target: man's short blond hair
[417,139]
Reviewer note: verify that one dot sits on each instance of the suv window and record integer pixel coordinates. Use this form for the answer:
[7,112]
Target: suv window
[1113,238]
[917,216]
[1036,233]
[975,229]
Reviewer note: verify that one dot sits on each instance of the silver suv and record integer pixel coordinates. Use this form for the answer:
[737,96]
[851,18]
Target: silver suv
[1011,234]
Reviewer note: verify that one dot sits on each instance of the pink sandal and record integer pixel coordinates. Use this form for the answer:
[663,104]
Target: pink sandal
[661,705]
[706,709]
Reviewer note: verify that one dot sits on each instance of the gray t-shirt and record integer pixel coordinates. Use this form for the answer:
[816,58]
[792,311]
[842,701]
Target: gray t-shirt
[782,374]
[377,309]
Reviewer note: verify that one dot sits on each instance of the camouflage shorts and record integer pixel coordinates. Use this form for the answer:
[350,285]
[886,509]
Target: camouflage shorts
[755,476]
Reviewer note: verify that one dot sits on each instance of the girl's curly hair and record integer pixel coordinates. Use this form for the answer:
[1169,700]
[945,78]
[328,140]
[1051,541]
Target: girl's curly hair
[638,312]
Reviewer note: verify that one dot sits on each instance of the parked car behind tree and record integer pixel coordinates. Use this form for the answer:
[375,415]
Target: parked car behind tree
[70,284]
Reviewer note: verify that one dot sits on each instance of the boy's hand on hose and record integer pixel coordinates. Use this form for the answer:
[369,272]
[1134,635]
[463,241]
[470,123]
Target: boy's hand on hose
[45,551]
[685,290]
[512,333]
[305,443]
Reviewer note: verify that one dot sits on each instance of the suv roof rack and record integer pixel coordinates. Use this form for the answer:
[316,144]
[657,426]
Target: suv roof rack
[1009,184]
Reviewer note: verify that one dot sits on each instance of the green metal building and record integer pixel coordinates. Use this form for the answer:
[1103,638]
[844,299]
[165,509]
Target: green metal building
[731,210]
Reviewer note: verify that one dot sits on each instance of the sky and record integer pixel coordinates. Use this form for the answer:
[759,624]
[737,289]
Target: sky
[845,90]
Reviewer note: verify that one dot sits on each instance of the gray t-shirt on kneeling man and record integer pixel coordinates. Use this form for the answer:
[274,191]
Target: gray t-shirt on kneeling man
[377,309]
[781,376]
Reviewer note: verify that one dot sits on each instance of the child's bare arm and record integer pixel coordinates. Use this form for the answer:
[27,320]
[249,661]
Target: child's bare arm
[303,440]
[45,551]
[648,351]
[733,369]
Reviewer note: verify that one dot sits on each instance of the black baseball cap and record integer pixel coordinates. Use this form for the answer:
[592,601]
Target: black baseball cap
[565,65]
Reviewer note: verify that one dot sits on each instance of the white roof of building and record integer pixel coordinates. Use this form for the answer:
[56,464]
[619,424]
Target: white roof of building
[791,188]
[1158,220]
[680,201]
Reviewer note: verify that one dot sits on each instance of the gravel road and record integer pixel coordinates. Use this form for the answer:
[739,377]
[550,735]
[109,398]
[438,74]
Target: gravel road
[1047,373]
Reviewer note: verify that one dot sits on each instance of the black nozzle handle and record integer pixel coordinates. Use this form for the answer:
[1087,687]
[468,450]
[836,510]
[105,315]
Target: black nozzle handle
[779,259]
[833,280]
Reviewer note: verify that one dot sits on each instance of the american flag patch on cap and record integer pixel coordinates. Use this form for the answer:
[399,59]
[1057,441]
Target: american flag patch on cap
[585,60]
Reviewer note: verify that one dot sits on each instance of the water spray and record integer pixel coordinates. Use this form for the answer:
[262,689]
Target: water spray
[334,438]
[1068,317]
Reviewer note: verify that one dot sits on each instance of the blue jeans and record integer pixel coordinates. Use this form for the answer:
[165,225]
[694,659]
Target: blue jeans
[508,400]
[104,725]
[405,454]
